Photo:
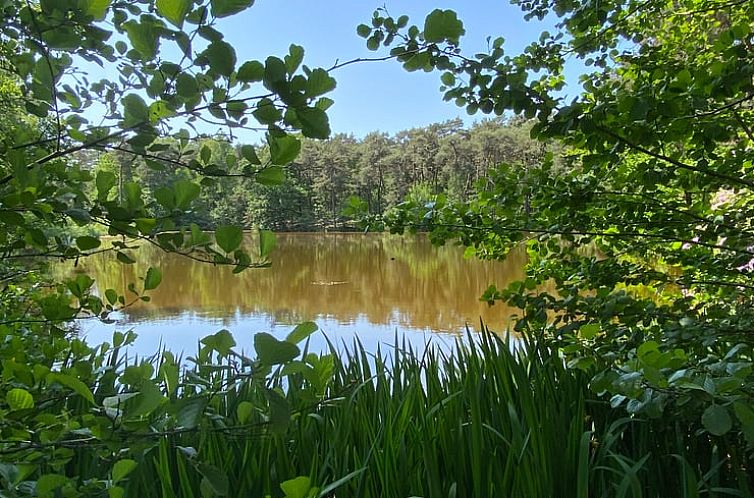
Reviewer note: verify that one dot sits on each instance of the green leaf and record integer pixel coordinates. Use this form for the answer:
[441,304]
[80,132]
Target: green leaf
[116,492]
[71,383]
[363,30]
[222,342]
[228,237]
[267,242]
[221,57]
[174,11]
[165,197]
[716,420]
[159,110]
[314,122]
[443,25]
[324,103]
[271,175]
[236,110]
[198,237]
[147,401]
[48,483]
[185,192]
[152,279]
[215,478]
[328,490]
[190,411]
[124,258]
[275,72]
[244,411]
[86,242]
[19,399]
[144,37]
[294,58]
[283,149]
[223,8]
[105,181]
[135,110]
[266,112]
[186,86]
[122,468]
[111,296]
[270,351]
[280,411]
[296,488]
[11,217]
[420,60]
[301,332]
[373,42]
[248,153]
[250,71]
[448,79]
[98,8]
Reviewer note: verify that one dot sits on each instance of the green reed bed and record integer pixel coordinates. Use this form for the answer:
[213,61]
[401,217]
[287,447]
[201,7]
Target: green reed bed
[482,420]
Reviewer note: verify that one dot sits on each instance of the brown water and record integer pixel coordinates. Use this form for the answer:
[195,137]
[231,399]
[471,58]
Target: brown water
[368,286]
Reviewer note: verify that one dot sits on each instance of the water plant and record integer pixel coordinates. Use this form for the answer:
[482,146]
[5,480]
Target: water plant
[488,417]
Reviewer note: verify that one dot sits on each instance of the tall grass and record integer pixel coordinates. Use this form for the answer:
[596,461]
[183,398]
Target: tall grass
[484,420]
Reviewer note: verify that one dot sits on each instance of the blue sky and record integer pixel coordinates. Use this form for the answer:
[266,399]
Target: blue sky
[372,95]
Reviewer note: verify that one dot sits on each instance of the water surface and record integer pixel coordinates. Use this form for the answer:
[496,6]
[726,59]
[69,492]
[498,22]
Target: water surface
[353,285]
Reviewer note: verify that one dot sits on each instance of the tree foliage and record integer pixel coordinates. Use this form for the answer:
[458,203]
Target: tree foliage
[646,227]
[71,147]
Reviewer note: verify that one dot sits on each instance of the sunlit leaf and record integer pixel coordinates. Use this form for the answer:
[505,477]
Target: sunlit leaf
[152,279]
[296,488]
[301,332]
[283,149]
[222,8]
[228,237]
[19,399]
[122,468]
[441,25]
[174,11]
[267,242]
[135,110]
[271,175]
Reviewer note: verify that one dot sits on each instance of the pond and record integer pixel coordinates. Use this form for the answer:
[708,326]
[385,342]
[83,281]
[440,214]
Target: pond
[353,285]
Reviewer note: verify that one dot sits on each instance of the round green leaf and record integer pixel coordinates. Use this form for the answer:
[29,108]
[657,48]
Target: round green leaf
[122,468]
[717,420]
[19,399]
[250,72]
[228,237]
[221,57]
[441,25]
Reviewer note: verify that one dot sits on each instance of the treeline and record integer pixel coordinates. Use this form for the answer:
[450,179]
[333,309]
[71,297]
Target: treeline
[381,169]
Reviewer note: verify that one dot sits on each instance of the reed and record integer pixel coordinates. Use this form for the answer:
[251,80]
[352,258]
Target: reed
[489,418]
[486,418]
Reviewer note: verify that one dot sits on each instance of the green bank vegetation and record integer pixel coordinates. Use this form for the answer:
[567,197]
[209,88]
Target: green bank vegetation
[635,378]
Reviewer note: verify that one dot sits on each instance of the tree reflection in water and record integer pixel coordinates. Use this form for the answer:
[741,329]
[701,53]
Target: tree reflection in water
[351,284]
